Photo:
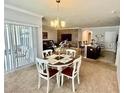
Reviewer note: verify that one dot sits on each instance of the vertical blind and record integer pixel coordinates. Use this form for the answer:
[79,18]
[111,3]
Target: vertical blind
[19,45]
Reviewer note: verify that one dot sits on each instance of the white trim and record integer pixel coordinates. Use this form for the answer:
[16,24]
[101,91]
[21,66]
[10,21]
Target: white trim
[112,50]
[69,28]
[90,28]
[22,10]
[19,68]
[63,27]
[18,23]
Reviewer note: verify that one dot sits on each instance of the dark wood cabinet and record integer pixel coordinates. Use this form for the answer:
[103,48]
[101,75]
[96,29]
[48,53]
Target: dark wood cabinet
[93,52]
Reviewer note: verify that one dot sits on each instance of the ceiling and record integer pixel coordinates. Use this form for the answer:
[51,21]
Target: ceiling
[76,13]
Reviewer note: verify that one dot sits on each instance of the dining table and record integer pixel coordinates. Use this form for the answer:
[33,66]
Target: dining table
[59,61]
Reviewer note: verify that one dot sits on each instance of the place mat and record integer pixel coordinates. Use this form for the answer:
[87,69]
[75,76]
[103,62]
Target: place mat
[65,60]
[52,61]
[65,56]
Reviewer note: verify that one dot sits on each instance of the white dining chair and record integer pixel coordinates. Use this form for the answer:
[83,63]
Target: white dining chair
[72,72]
[47,52]
[45,72]
[71,52]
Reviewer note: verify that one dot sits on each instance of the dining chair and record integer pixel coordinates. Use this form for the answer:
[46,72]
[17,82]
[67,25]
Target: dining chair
[72,72]
[71,52]
[45,72]
[47,52]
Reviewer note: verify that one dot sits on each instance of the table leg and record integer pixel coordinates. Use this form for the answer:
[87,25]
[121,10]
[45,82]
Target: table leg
[59,76]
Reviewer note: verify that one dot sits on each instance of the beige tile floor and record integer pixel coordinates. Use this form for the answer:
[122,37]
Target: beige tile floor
[95,77]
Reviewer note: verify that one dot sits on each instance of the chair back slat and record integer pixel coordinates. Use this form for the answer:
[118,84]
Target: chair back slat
[76,66]
[71,52]
[42,67]
[47,53]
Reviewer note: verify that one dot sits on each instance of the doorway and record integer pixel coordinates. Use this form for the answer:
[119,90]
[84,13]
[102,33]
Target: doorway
[87,36]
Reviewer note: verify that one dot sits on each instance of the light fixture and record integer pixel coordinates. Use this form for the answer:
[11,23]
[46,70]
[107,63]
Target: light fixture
[57,23]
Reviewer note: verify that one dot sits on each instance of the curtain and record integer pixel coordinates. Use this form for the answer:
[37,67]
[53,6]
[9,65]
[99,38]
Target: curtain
[19,45]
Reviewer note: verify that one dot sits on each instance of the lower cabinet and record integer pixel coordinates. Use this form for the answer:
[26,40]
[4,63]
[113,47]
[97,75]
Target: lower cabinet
[93,52]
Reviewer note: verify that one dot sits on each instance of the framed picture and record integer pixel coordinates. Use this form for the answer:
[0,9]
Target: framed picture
[45,35]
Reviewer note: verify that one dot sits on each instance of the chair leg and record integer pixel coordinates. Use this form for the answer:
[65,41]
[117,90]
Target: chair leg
[39,80]
[73,87]
[62,80]
[48,86]
[57,78]
[78,78]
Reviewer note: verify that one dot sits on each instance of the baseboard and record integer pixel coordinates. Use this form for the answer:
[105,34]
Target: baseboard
[19,68]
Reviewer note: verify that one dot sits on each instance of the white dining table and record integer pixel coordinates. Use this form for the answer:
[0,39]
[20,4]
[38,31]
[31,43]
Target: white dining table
[59,61]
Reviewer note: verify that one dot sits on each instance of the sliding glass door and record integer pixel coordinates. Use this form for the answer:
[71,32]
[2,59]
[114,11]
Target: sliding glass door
[19,47]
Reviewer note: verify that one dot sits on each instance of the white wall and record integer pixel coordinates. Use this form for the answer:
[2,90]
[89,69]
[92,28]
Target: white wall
[117,62]
[109,33]
[79,35]
[110,41]
[52,35]
[18,15]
